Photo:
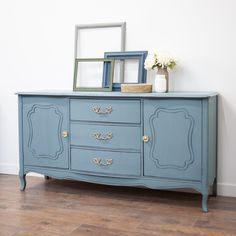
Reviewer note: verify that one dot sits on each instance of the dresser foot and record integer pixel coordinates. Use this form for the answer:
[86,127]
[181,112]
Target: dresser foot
[22,182]
[46,177]
[204,202]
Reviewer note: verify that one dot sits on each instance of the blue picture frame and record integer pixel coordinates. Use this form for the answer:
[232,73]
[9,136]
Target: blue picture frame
[122,56]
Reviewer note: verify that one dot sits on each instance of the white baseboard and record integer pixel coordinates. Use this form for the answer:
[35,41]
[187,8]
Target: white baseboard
[224,189]
[9,169]
[227,190]
[13,170]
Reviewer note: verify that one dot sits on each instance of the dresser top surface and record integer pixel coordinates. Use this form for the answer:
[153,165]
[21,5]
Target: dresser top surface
[181,94]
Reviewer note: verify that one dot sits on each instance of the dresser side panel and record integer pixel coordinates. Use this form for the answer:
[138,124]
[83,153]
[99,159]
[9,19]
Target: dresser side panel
[20,130]
[212,140]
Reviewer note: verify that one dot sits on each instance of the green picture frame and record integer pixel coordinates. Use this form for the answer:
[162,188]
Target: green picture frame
[109,75]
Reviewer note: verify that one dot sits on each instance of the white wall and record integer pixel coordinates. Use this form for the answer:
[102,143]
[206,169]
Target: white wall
[36,52]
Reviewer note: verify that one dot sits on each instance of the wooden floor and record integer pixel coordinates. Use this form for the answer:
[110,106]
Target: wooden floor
[60,207]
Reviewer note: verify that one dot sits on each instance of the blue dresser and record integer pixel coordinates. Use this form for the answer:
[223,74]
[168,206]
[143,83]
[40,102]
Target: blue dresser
[159,141]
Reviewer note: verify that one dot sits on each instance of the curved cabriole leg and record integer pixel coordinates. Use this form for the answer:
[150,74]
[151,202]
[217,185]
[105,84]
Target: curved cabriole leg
[22,182]
[204,202]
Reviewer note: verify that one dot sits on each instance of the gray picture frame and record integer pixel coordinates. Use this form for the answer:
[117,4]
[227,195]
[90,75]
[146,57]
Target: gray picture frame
[109,63]
[121,25]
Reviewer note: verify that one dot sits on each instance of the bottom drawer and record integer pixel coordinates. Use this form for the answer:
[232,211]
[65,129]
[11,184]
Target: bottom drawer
[105,162]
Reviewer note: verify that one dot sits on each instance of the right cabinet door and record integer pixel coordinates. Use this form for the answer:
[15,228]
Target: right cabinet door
[172,148]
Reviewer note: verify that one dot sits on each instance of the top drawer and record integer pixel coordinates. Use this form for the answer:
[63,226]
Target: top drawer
[123,111]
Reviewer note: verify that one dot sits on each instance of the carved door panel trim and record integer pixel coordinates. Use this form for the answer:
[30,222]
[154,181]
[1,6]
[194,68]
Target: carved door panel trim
[186,116]
[44,121]
[36,153]
[174,149]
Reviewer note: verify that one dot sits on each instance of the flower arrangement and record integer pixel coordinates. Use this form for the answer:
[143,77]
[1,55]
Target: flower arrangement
[159,60]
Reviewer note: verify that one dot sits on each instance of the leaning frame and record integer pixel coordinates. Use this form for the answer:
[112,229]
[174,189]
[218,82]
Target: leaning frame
[109,73]
[121,25]
[142,73]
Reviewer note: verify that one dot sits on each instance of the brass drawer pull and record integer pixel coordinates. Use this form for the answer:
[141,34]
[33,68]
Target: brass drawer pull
[99,136]
[146,139]
[100,111]
[65,134]
[99,162]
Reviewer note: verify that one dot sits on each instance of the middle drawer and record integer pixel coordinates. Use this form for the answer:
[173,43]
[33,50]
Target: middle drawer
[106,136]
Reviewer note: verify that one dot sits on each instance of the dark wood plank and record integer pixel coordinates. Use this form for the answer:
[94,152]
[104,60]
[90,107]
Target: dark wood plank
[61,207]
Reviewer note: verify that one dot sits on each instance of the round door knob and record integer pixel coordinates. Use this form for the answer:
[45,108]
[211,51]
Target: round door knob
[145,138]
[65,134]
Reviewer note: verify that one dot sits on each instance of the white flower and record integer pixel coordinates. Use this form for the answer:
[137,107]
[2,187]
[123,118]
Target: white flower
[163,58]
[159,59]
[149,62]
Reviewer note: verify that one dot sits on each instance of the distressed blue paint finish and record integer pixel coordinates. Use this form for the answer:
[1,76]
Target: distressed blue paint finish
[126,164]
[212,141]
[106,136]
[22,182]
[40,114]
[22,173]
[209,149]
[126,111]
[44,120]
[181,95]
[181,152]
[174,149]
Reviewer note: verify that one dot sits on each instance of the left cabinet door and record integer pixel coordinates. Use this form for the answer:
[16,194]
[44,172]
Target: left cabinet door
[45,120]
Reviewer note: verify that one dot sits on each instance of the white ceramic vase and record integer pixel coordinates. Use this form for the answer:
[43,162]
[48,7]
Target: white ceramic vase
[160,84]
[164,71]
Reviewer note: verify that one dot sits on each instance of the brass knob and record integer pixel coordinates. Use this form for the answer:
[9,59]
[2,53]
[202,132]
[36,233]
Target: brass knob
[145,138]
[65,134]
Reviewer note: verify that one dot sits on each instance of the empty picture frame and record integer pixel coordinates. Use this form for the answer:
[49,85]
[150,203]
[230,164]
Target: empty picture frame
[126,57]
[89,74]
[92,40]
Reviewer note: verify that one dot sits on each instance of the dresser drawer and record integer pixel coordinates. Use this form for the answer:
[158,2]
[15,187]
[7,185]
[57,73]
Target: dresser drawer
[106,162]
[106,136]
[124,111]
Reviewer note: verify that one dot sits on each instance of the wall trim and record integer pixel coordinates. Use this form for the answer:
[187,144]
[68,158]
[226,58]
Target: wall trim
[224,189]
[11,169]
[227,190]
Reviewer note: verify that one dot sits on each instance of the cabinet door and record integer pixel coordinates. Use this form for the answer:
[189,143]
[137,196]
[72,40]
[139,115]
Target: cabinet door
[44,120]
[174,130]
